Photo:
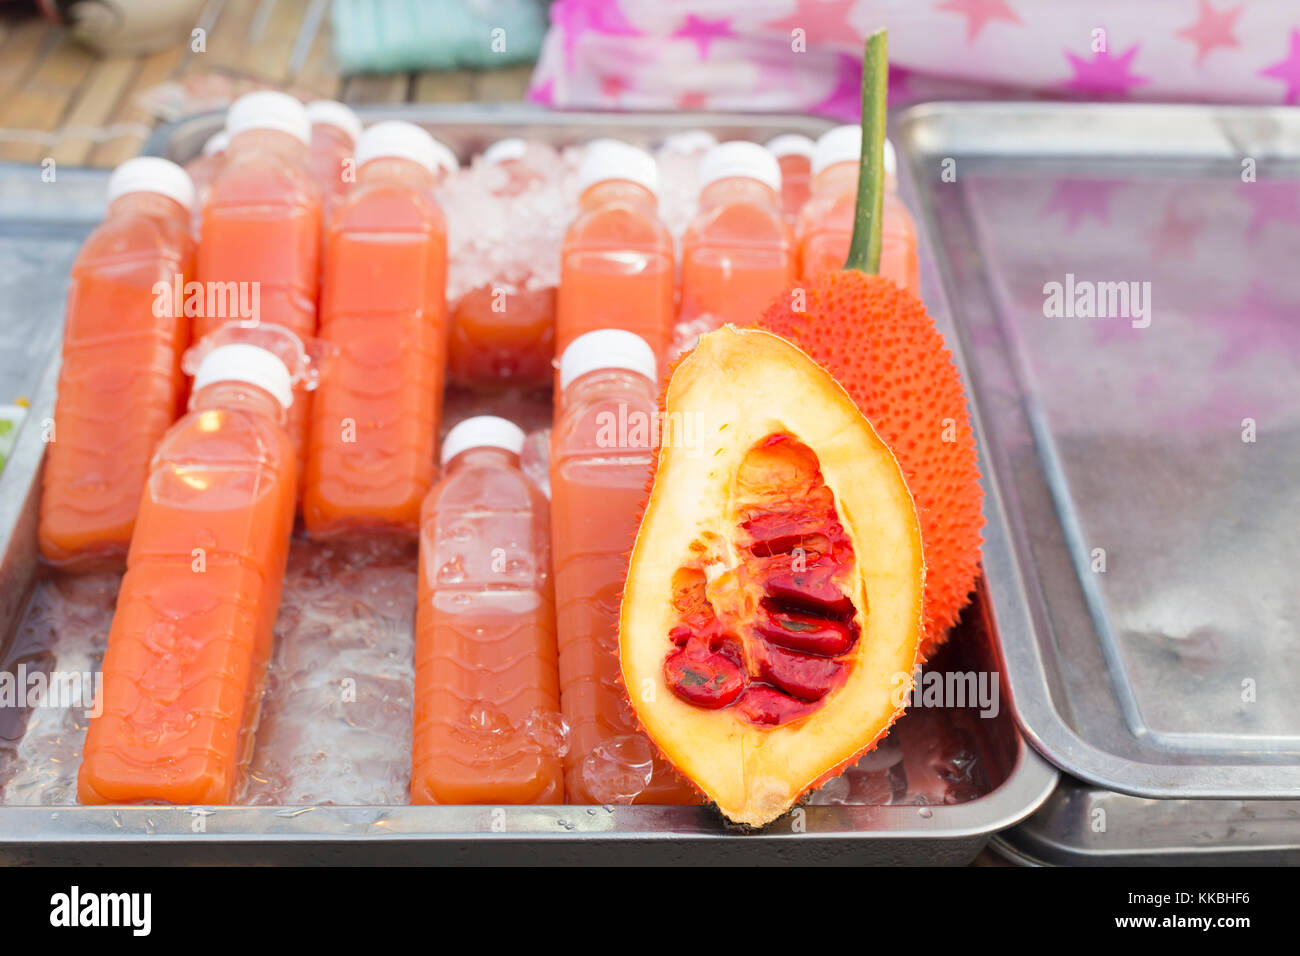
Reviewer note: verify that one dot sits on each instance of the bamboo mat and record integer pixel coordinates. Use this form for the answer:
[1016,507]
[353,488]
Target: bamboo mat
[61,100]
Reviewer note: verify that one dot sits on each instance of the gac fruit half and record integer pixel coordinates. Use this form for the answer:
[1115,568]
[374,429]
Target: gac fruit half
[773,607]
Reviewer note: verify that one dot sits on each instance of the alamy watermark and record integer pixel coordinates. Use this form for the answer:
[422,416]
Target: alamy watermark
[635,428]
[1085,299]
[210,300]
[974,689]
[60,690]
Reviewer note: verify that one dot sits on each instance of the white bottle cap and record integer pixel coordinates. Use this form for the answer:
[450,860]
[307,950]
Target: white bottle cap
[690,141]
[844,143]
[790,144]
[446,158]
[240,362]
[610,159]
[216,143]
[394,139]
[607,349]
[482,431]
[740,159]
[333,113]
[504,150]
[150,174]
[267,109]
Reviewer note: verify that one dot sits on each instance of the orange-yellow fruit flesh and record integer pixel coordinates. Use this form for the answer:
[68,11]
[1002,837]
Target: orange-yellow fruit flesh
[694,558]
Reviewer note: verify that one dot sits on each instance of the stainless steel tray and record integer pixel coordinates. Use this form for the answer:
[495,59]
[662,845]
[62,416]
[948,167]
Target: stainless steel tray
[1140,553]
[1018,779]
[1083,825]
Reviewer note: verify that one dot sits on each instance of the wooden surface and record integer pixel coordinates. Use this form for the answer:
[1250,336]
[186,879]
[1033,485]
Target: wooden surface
[61,100]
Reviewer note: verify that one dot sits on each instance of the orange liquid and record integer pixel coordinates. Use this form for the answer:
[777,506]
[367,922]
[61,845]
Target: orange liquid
[503,340]
[328,159]
[796,188]
[262,223]
[203,170]
[616,268]
[191,635]
[738,254]
[120,385]
[375,420]
[826,229]
[487,693]
[596,493]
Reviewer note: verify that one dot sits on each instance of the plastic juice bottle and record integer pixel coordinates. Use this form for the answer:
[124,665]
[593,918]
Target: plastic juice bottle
[502,333]
[120,385]
[825,227]
[335,130]
[794,154]
[617,264]
[510,155]
[191,635]
[203,169]
[487,688]
[738,253]
[599,469]
[260,239]
[383,306]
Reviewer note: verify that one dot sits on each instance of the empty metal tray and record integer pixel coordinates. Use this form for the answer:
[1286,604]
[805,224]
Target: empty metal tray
[1124,286]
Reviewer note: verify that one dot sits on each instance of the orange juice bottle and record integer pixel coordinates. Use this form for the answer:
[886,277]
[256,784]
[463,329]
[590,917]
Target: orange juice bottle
[601,457]
[260,239]
[191,634]
[510,155]
[203,169]
[487,688]
[825,226]
[120,385]
[794,154]
[617,264]
[383,305]
[738,253]
[335,130]
[503,333]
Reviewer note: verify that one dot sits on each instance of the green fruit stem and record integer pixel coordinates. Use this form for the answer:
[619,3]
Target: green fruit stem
[864,250]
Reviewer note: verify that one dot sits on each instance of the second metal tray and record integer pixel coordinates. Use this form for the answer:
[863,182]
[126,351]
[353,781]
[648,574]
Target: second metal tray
[1125,295]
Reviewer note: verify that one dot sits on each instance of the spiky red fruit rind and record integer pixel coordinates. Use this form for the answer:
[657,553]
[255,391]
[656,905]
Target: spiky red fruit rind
[879,343]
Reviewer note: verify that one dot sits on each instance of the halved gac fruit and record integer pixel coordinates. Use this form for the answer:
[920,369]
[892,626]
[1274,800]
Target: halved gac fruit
[774,596]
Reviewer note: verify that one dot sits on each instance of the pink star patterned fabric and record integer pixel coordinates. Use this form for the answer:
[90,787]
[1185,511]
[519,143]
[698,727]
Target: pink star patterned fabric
[802,55]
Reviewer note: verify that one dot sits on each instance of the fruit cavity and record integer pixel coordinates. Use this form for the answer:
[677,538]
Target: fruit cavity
[772,634]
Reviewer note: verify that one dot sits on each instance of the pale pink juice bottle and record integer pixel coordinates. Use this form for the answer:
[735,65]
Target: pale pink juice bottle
[738,253]
[262,227]
[794,154]
[617,263]
[384,308]
[599,471]
[335,130]
[503,332]
[825,227]
[205,168]
[487,693]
